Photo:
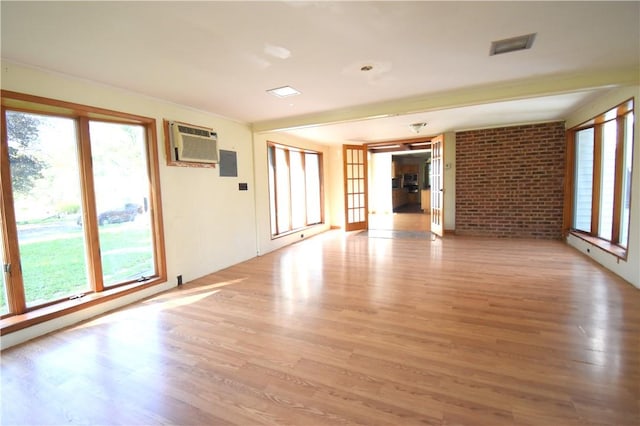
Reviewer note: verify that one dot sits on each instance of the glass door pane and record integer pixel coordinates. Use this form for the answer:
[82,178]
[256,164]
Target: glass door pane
[121,180]
[46,189]
[355,166]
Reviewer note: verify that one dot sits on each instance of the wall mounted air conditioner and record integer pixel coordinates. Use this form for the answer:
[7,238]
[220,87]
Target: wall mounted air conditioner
[194,144]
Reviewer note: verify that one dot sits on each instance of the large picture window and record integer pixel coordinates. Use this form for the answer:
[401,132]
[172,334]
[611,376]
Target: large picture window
[601,164]
[80,202]
[295,188]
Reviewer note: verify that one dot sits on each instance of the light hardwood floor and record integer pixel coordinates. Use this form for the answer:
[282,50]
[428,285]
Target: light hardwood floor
[345,329]
[400,221]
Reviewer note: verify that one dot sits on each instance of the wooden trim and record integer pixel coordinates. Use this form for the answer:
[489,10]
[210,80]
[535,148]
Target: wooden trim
[621,109]
[37,104]
[16,302]
[155,201]
[21,316]
[617,113]
[36,316]
[607,246]
[403,145]
[437,185]
[345,187]
[90,216]
[321,177]
[618,178]
[597,178]
[167,147]
[569,181]
[633,142]
[167,142]
[363,224]
[272,148]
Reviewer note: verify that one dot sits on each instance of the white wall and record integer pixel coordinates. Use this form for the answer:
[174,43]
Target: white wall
[208,223]
[265,243]
[629,269]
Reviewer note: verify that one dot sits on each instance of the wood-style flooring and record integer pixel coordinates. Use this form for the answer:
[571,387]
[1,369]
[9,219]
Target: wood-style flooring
[345,329]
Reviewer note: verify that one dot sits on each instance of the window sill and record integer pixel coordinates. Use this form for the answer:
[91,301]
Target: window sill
[39,315]
[614,249]
[295,231]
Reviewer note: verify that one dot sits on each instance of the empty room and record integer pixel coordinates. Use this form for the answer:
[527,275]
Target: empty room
[320,213]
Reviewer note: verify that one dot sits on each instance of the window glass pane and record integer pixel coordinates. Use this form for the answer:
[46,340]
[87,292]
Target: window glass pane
[282,191]
[46,189]
[312,177]
[583,180]
[626,180]
[298,197]
[295,196]
[121,180]
[607,184]
[272,190]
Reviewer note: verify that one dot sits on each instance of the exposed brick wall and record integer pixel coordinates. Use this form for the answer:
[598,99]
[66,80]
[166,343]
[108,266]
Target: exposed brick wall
[509,181]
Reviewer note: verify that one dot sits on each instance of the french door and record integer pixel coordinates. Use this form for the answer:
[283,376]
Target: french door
[437,185]
[355,187]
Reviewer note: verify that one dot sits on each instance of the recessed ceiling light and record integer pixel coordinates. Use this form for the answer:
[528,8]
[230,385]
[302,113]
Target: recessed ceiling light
[284,92]
[512,44]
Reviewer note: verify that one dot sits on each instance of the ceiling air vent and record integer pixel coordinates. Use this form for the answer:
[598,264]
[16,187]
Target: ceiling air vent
[512,44]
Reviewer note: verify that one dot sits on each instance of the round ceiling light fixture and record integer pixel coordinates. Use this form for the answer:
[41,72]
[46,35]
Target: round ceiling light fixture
[416,127]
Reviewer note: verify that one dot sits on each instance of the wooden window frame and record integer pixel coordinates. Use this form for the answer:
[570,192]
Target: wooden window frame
[617,114]
[272,146]
[20,315]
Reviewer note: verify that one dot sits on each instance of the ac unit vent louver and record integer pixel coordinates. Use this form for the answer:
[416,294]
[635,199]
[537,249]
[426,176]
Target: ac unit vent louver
[194,131]
[194,144]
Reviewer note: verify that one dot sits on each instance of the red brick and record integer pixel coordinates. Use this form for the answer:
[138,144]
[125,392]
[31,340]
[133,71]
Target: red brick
[510,181]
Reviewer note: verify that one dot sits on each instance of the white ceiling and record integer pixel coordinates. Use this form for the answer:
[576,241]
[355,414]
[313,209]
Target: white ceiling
[430,59]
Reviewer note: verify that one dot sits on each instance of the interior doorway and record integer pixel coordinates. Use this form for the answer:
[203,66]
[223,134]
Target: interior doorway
[411,178]
[400,190]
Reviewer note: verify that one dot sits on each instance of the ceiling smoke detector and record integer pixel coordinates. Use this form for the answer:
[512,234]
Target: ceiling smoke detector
[513,44]
[416,127]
